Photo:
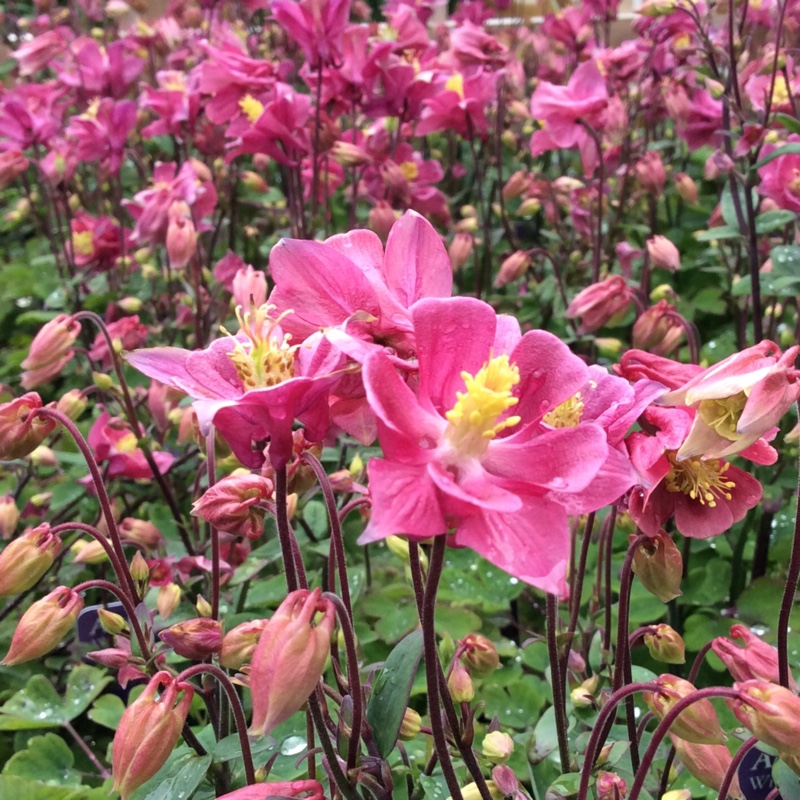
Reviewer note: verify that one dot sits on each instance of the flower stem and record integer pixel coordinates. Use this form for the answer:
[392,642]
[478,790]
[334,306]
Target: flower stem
[285,535]
[787,601]
[211,472]
[559,694]
[104,773]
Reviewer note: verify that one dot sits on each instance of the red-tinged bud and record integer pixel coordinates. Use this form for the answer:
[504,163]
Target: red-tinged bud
[600,303]
[770,712]
[513,268]
[754,660]
[506,782]
[12,164]
[497,747]
[249,288]
[350,155]
[254,182]
[663,253]
[479,654]
[140,532]
[665,644]
[381,219]
[116,658]
[148,732]
[306,789]
[686,188]
[43,456]
[718,164]
[25,559]
[706,762]
[50,351]
[72,404]
[610,786]
[460,250]
[698,723]
[460,684]
[516,184]
[232,504]
[290,658]
[239,644]
[21,431]
[9,516]
[140,571]
[658,564]
[195,639]
[410,726]
[658,330]
[181,236]
[169,598]
[44,625]
[650,172]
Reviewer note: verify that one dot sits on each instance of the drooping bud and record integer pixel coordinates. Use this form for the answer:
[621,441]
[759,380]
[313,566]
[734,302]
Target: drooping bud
[497,747]
[663,253]
[381,219]
[665,644]
[21,431]
[460,249]
[517,183]
[771,712]
[239,643]
[650,172]
[349,155]
[113,624]
[25,559]
[148,732]
[686,188]
[610,786]
[658,564]
[232,504]
[479,654]
[43,625]
[72,404]
[756,660]
[290,658]
[140,532]
[181,236]
[658,330]
[195,639]
[305,789]
[601,303]
[513,268]
[706,762]
[410,726]
[9,516]
[698,723]
[169,598]
[460,684]
[50,351]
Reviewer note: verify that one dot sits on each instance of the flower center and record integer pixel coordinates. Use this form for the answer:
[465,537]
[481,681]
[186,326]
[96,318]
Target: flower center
[723,415]
[566,415]
[267,359]
[455,83]
[82,243]
[704,481]
[410,170]
[780,92]
[474,418]
[251,108]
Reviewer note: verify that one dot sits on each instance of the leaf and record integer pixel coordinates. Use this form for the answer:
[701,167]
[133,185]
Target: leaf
[176,780]
[719,232]
[15,788]
[785,261]
[774,220]
[83,685]
[729,208]
[792,124]
[564,786]
[788,149]
[391,690]
[786,780]
[47,759]
[107,711]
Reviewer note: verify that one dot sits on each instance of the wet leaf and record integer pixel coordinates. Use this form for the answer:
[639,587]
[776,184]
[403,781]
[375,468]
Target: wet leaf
[47,759]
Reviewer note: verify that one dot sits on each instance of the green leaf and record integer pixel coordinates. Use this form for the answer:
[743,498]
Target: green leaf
[785,261]
[391,690]
[47,759]
[719,232]
[728,206]
[774,220]
[178,778]
[786,780]
[14,788]
[788,149]
[564,786]
[792,124]
[107,711]
[83,685]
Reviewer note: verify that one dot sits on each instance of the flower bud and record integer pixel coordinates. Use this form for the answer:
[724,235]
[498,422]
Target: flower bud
[497,747]
[140,532]
[140,572]
[381,219]
[290,658]
[169,598]
[513,268]
[113,624]
[683,794]
[517,183]
[9,516]
[686,188]
[665,644]
[232,504]
[88,552]
[460,684]
[658,564]
[21,432]
[658,330]
[650,173]
[663,253]
[50,351]
[194,639]
[148,732]
[43,626]
[698,723]
[601,303]
[756,660]
[610,786]
[507,783]
[25,559]
[479,654]
[472,792]
[181,236]
[770,712]
[239,643]
[349,155]
[203,607]
[582,696]
[306,789]
[460,250]
[249,288]
[706,762]
[72,404]
[410,726]
[254,181]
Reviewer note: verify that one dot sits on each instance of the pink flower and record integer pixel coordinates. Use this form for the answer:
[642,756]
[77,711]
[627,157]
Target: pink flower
[37,53]
[127,333]
[176,103]
[50,351]
[253,386]
[102,132]
[702,122]
[780,179]
[97,242]
[99,71]
[12,164]
[738,401]
[236,504]
[637,364]
[755,660]
[468,451]
[307,789]
[600,303]
[459,104]
[316,26]
[705,497]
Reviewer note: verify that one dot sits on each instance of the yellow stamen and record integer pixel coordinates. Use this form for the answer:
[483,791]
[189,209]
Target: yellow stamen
[410,170]
[566,415]
[251,108]
[703,481]
[82,243]
[780,91]
[723,415]
[127,444]
[474,418]
[455,83]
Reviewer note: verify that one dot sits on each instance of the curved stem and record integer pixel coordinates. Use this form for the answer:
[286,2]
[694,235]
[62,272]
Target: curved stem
[559,694]
[236,707]
[698,662]
[100,538]
[788,601]
[733,767]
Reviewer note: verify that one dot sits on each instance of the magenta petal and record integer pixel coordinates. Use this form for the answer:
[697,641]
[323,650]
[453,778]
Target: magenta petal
[404,501]
[532,544]
[474,490]
[168,365]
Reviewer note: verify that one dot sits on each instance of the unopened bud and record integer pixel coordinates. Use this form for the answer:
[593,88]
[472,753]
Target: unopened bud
[665,644]
[460,684]
[25,559]
[202,606]
[9,516]
[113,624]
[497,747]
[698,723]
[658,564]
[240,642]
[140,572]
[480,654]
[195,639]
[513,268]
[610,786]
[686,188]
[169,598]
[410,726]
[73,404]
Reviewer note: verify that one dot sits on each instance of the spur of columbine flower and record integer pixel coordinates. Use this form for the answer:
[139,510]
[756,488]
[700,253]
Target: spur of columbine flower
[705,496]
[252,386]
[468,452]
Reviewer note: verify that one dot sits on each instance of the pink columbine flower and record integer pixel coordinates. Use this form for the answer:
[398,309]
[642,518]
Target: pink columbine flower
[127,333]
[40,51]
[637,364]
[469,453]
[12,164]
[101,71]
[702,122]
[706,497]
[251,387]
[600,303]
[97,242]
[459,104]
[753,660]
[176,103]
[100,134]
[50,351]
[738,401]
[316,26]
[780,179]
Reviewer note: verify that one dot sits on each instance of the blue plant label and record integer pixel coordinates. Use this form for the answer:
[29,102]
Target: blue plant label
[755,774]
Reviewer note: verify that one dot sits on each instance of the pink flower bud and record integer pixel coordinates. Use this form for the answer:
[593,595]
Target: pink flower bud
[44,625]
[460,250]
[232,504]
[116,658]
[26,559]
[349,155]
[254,181]
[249,288]
[20,431]
[650,172]
[598,304]
[479,654]
[610,786]
[239,643]
[50,351]
[460,684]
[195,639]
[506,782]
[12,164]
[306,789]
[181,236]
[381,219]
[663,253]
[148,732]
[706,762]
[770,712]
[658,329]
[72,404]
[9,516]
[658,564]
[698,723]
[140,532]
[686,188]
[665,644]
[755,660]
[516,185]
[718,163]
[290,658]
[169,598]
[513,268]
